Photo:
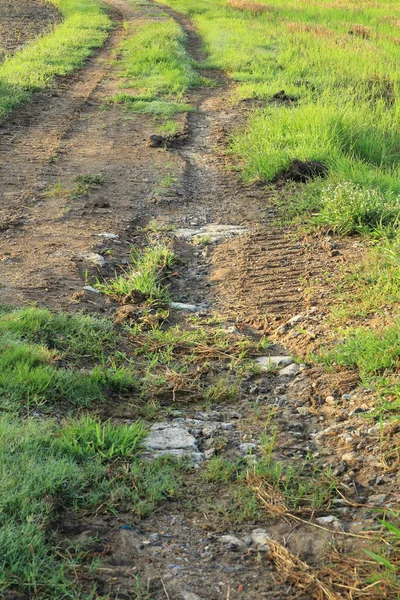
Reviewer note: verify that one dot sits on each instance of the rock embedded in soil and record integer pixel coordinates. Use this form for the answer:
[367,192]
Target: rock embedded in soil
[233,541]
[290,370]
[268,362]
[260,538]
[165,438]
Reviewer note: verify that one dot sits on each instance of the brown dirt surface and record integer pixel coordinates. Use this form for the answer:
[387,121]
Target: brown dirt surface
[255,280]
[22,20]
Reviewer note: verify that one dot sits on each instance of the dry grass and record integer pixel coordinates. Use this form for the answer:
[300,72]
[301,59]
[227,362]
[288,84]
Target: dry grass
[254,8]
[343,576]
[360,31]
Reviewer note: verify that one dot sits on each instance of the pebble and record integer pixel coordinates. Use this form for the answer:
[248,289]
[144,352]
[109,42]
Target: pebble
[89,288]
[108,236]
[378,499]
[190,596]
[185,307]
[269,362]
[93,257]
[233,541]
[289,371]
[248,448]
[260,538]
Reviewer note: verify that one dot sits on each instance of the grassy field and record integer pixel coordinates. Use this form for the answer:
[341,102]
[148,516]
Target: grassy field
[85,27]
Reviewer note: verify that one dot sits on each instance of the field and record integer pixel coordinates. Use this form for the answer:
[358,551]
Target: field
[200,335]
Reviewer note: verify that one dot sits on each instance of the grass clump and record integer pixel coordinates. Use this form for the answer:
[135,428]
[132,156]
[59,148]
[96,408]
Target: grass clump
[33,68]
[47,359]
[145,278]
[48,469]
[154,61]
[348,208]
[162,108]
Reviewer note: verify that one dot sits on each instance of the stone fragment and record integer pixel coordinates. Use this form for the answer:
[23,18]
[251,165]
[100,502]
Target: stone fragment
[269,362]
[247,448]
[290,370]
[185,307]
[260,539]
[190,596]
[89,288]
[233,541]
[92,257]
[108,236]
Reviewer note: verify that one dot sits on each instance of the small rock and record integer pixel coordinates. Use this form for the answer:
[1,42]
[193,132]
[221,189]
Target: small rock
[330,400]
[247,448]
[190,596]
[294,320]
[290,370]
[269,362]
[378,499]
[328,520]
[89,288]
[185,307]
[108,236]
[260,539]
[92,257]
[233,541]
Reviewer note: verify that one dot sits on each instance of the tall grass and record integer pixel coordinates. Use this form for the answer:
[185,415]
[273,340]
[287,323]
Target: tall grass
[84,28]
[339,60]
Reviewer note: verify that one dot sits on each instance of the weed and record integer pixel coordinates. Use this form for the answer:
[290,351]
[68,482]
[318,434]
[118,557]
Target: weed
[162,108]
[220,470]
[348,208]
[85,183]
[145,277]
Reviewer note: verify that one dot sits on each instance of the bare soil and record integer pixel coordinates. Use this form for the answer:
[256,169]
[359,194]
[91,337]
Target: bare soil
[21,21]
[256,281]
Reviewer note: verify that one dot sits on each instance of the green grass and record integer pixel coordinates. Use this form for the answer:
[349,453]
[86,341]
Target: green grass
[154,62]
[146,276]
[163,108]
[47,359]
[48,469]
[85,27]
[339,62]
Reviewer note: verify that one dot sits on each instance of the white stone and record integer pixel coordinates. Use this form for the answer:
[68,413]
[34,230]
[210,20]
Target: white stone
[290,370]
[170,438]
[269,362]
[260,538]
[108,236]
[89,288]
[185,307]
[233,541]
[93,257]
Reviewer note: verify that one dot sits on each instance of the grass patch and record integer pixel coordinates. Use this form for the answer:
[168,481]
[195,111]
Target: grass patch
[162,108]
[48,469]
[85,27]
[154,61]
[48,359]
[145,277]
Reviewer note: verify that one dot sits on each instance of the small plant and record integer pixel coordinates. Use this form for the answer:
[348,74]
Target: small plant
[89,437]
[145,277]
[84,183]
[349,208]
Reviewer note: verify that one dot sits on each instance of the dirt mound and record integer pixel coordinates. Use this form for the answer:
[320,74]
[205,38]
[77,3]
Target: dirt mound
[301,171]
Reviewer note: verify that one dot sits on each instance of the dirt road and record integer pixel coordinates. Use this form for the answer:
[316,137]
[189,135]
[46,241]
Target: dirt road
[50,243]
